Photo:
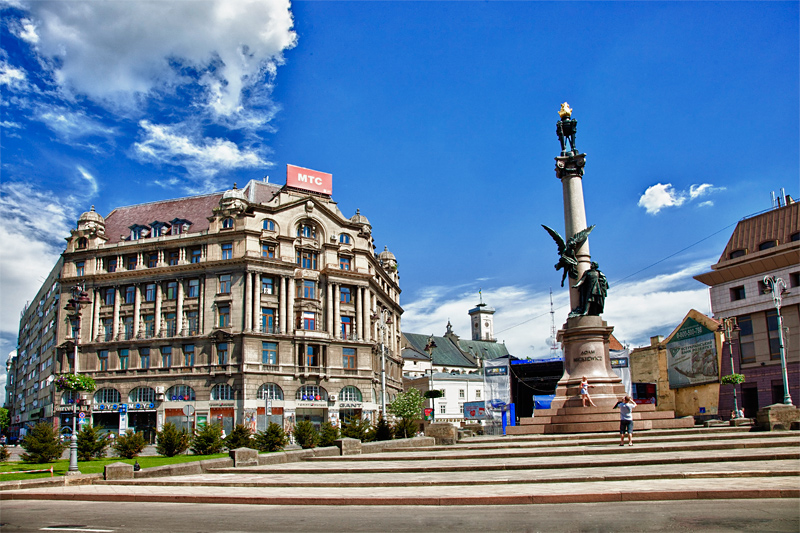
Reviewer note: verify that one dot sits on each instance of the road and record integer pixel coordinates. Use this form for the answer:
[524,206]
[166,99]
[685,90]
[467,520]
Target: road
[774,515]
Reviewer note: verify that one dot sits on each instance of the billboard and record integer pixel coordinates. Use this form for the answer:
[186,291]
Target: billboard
[474,411]
[692,356]
[497,383]
[309,180]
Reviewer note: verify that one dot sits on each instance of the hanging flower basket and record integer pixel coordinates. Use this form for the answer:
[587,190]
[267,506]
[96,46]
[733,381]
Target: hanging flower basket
[732,379]
[75,382]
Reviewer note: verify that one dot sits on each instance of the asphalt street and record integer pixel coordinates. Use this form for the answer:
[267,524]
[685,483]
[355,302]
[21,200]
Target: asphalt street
[771,515]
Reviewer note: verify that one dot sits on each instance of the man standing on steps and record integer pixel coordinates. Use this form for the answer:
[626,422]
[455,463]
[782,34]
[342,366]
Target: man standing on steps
[626,406]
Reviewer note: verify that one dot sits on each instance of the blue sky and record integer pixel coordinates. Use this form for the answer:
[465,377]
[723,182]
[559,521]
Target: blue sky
[437,120]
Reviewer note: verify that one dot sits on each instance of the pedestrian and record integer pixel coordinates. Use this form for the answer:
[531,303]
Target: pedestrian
[740,413]
[585,392]
[626,406]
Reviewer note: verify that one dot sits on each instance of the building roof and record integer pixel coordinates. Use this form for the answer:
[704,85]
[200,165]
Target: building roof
[412,354]
[483,349]
[445,354]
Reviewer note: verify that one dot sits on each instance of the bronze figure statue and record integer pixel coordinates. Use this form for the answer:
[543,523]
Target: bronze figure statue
[593,287]
[566,251]
[566,129]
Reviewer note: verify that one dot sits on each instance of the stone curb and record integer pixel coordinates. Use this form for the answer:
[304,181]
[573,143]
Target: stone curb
[521,499]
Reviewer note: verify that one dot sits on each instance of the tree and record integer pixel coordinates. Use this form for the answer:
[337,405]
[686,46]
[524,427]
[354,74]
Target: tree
[42,445]
[91,444]
[408,407]
[382,430]
[5,419]
[171,441]
[328,434]
[271,439]
[240,437]
[130,444]
[305,434]
[208,440]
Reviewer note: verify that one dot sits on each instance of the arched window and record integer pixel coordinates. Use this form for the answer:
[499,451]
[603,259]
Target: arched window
[344,238]
[181,393]
[268,225]
[350,394]
[311,392]
[736,253]
[307,229]
[83,242]
[222,391]
[270,391]
[227,223]
[766,245]
[107,396]
[142,394]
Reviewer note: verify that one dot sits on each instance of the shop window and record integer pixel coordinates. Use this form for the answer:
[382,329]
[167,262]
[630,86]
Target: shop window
[270,391]
[142,394]
[102,358]
[349,359]
[193,289]
[737,293]
[222,391]
[311,392]
[181,393]
[188,355]
[107,395]
[269,353]
[123,359]
[350,394]
[227,250]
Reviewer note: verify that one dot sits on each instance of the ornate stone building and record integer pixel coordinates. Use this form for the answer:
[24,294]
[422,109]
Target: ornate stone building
[250,305]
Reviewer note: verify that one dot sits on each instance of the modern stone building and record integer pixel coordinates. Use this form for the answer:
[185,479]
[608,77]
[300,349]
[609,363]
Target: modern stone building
[766,244]
[253,303]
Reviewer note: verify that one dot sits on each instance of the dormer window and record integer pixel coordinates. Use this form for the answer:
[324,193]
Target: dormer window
[179,226]
[139,231]
[736,253]
[766,245]
[227,223]
[268,225]
[159,228]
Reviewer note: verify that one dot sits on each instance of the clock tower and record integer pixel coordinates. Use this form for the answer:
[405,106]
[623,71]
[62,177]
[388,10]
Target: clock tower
[482,322]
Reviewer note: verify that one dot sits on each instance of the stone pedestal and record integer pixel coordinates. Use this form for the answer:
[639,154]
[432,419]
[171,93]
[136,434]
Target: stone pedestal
[116,471]
[585,341]
[348,446]
[777,417]
[244,457]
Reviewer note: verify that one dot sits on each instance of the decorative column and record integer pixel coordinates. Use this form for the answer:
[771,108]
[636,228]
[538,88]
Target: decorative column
[179,308]
[157,332]
[365,318]
[95,315]
[137,309]
[282,303]
[115,326]
[360,313]
[290,305]
[337,311]
[257,303]
[329,308]
[248,303]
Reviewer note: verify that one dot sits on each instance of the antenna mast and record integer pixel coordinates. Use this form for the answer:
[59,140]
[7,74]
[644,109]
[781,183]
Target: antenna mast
[553,342]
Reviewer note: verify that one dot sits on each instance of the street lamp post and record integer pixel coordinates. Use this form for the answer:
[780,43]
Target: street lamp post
[429,348]
[384,319]
[73,308]
[777,288]
[730,326]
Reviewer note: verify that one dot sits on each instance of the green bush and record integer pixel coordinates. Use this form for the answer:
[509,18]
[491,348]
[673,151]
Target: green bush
[42,445]
[405,428]
[328,434]
[240,437]
[130,444]
[356,428]
[208,440]
[91,443]
[271,439]
[382,431]
[732,379]
[305,434]
[171,441]
[5,455]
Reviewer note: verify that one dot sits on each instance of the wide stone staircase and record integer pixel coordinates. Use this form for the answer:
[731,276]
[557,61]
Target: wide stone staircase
[679,464]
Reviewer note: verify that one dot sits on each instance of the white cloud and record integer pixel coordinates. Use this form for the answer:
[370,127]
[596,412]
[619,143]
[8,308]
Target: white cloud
[12,77]
[204,158]
[637,310]
[663,195]
[90,179]
[71,125]
[117,52]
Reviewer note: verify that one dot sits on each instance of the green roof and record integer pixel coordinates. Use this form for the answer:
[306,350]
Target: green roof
[445,354]
[484,349]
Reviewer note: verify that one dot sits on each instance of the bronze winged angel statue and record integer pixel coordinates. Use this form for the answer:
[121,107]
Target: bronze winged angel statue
[566,251]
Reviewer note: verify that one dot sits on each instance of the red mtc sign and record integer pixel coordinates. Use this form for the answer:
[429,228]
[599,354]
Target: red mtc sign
[310,180]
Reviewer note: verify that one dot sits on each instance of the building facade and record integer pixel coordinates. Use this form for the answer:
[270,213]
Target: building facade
[253,305]
[766,244]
